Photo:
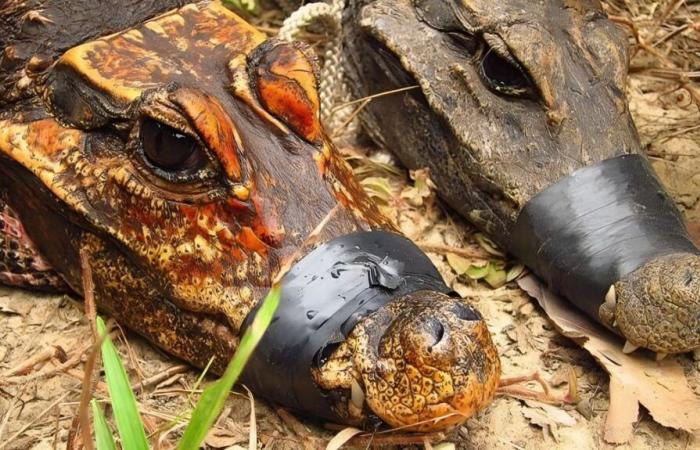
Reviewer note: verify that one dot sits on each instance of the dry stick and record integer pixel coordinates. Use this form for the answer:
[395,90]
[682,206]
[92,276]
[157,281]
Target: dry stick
[130,353]
[364,101]
[253,427]
[395,439]
[685,82]
[16,399]
[89,292]
[82,420]
[437,248]
[350,118]
[160,376]
[506,388]
[373,96]
[72,361]
[670,9]
[33,421]
[670,34]
[308,441]
[26,365]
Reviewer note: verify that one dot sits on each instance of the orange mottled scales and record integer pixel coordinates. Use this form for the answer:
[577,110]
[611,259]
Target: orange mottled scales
[184,155]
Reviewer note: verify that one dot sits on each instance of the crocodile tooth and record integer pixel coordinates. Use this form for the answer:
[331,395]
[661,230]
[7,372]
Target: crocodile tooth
[357,396]
[629,347]
[660,356]
[611,296]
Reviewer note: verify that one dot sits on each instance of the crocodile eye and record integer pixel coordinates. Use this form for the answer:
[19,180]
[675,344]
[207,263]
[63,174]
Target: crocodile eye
[505,76]
[169,150]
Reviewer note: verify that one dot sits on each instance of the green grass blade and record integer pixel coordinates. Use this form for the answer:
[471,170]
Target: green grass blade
[126,414]
[212,400]
[103,435]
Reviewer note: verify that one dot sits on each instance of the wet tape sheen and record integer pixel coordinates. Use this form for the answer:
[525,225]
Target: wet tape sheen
[323,296]
[590,229]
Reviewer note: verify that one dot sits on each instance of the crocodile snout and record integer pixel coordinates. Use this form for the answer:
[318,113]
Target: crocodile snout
[658,305]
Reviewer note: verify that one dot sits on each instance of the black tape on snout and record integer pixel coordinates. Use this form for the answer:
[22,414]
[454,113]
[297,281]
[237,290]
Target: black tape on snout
[323,296]
[597,225]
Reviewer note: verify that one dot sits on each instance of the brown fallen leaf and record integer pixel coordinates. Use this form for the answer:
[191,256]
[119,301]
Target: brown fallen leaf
[220,438]
[10,306]
[540,418]
[661,387]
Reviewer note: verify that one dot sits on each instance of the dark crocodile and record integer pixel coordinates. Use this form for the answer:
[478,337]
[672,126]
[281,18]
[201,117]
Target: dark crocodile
[520,114]
[181,153]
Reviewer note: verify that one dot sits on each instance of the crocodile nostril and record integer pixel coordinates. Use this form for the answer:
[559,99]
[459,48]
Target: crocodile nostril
[435,329]
[688,278]
[465,312]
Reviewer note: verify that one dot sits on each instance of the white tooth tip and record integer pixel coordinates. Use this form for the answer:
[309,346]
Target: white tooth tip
[357,395]
[629,347]
[661,356]
[611,296]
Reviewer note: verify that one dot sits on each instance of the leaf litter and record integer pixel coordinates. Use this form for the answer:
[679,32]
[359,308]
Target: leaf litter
[37,413]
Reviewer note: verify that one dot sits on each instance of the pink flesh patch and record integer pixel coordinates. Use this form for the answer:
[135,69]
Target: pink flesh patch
[21,264]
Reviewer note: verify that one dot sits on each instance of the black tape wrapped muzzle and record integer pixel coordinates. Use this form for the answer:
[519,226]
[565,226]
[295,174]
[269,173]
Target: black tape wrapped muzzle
[322,298]
[592,228]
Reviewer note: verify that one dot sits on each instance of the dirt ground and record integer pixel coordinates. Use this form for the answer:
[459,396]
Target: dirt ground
[43,337]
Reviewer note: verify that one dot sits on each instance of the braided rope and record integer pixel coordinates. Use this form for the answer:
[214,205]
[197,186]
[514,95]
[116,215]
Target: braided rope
[333,88]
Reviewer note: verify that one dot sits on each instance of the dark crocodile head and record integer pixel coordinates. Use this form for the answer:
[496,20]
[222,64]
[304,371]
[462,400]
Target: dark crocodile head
[184,158]
[510,97]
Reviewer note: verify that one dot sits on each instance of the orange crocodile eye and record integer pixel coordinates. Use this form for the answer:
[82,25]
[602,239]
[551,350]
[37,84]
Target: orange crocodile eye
[286,85]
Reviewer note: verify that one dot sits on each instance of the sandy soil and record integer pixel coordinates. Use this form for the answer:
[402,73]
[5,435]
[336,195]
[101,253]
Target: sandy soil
[38,403]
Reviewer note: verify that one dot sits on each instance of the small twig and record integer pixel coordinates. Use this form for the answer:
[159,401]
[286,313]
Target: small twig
[395,439]
[308,441]
[82,419]
[16,399]
[33,421]
[373,96]
[89,291]
[253,427]
[442,249]
[71,362]
[536,376]
[25,366]
[670,9]
[506,388]
[350,118]
[160,376]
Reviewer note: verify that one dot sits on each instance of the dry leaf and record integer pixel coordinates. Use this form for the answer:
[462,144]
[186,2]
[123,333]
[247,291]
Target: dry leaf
[556,415]
[342,437]
[541,419]
[661,387]
[458,263]
[223,438]
[7,306]
[422,188]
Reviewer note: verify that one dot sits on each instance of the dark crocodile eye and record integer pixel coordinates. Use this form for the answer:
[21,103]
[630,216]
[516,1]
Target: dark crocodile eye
[169,149]
[504,76]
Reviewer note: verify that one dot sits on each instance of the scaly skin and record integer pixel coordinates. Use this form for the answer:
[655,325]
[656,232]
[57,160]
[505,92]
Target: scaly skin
[656,305]
[184,155]
[513,95]
[404,358]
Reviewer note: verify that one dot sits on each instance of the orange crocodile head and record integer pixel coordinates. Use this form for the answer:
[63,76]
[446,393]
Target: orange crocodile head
[189,155]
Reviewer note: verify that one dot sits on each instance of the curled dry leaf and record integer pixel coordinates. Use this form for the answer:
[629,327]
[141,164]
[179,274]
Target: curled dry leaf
[661,387]
[342,437]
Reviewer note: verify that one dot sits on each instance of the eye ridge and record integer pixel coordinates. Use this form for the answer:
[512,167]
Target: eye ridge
[173,154]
